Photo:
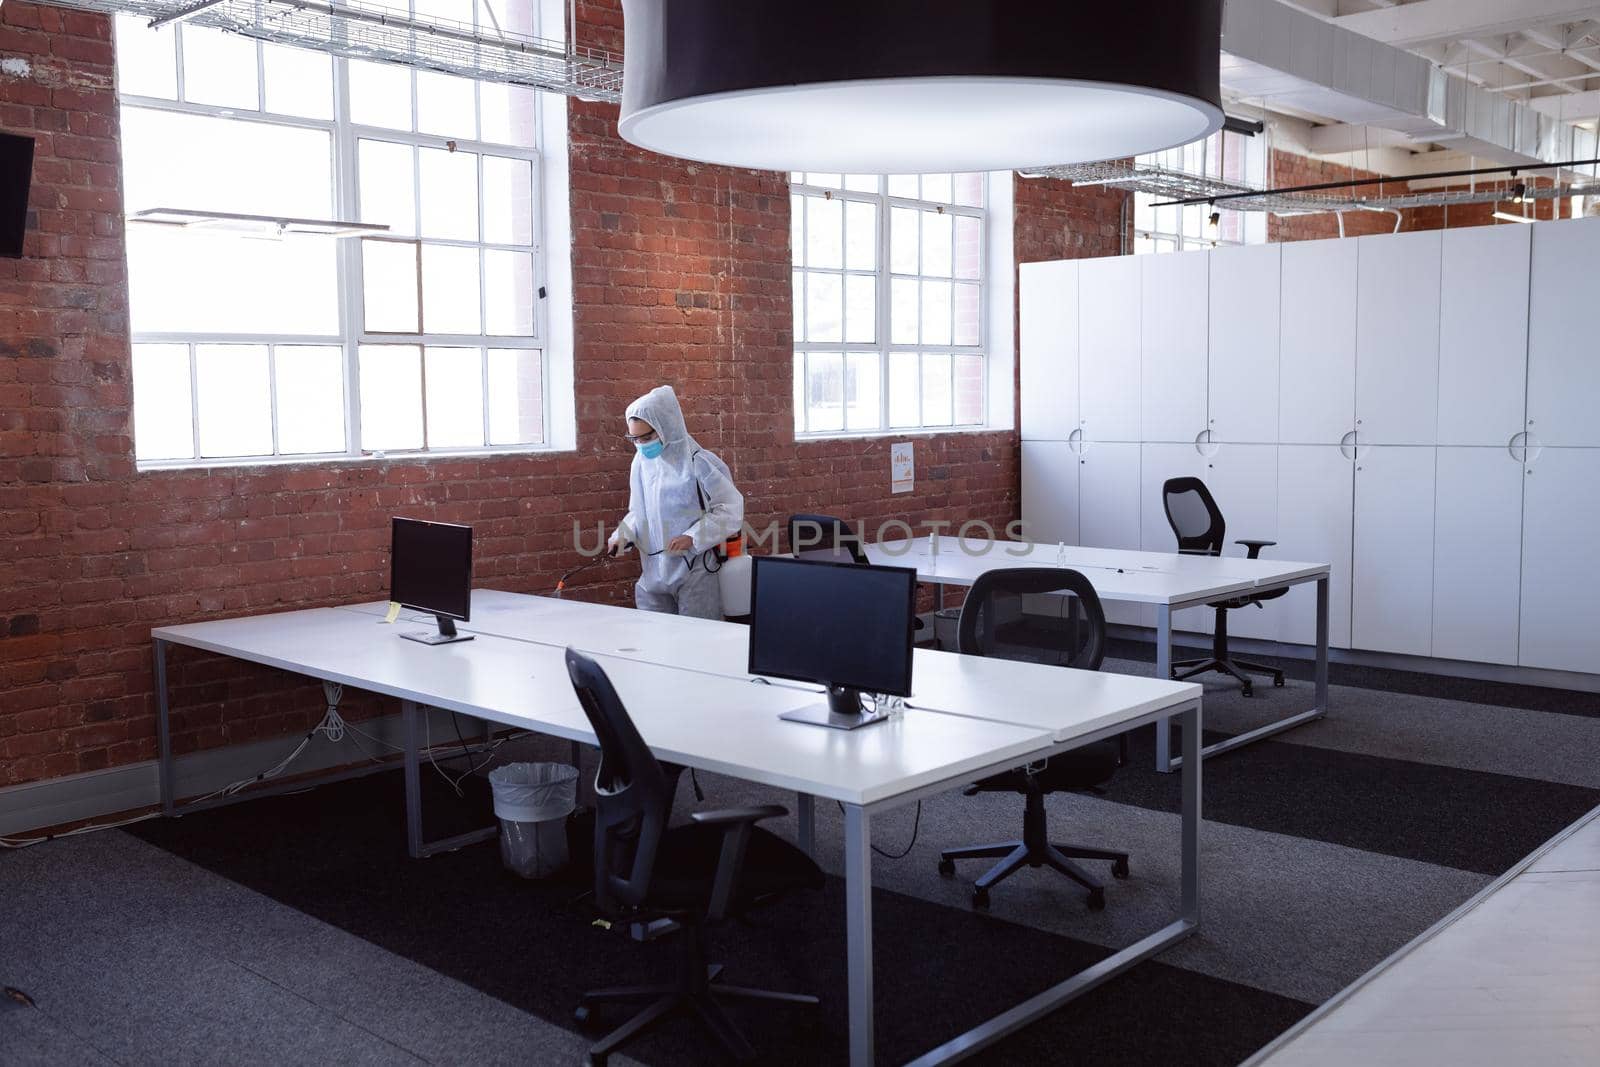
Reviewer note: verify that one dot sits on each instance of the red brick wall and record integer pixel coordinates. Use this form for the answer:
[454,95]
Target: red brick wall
[681,274]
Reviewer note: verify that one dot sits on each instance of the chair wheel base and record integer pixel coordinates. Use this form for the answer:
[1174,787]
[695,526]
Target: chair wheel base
[947,868]
[1119,869]
[1097,900]
[1277,683]
[581,1014]
[980,898]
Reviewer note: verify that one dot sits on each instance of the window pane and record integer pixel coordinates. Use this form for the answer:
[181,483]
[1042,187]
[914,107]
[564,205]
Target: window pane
[903,389]
[903,311]
[455,397]
[507,201]
[508,293]
[797,229]
[509,114]
[219,68]
[903,240]
[824,298]
[147,62]
[516,396]
[380,95]
[863,392]
[446,105]
[969,390]
[969,315]
[199,282]
[936,237]
[298,81]
[969,190]
[903,185]
[449,194]
[197,162]
[161,413]
[825,391]
[861,183]
[798,303]
[861,236]
[391,397]
[800,392]
[234,400]
[450,290]
[389,286]
[388,185]
[860,309]
[824,233]
[936,409]
[935,313]
[936,187]
[969,247]
[309,382]
[827,181]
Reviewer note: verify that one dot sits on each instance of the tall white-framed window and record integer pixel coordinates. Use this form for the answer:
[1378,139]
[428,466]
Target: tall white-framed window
[1227,155]
[431,338]
[890,315]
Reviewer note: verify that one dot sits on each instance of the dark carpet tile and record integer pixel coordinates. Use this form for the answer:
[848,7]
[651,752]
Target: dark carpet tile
[1469,820]
[338,855]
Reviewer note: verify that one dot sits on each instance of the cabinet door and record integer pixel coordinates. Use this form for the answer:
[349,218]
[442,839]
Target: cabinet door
[1243,379]
[1049,493]
[1317,347]
[1397,338]
[1391,606]
[1108,507]
[1563,351]
[1483,334]
[1048,295]
[1560,581]
[1316,487]
[1477,553]
[1174,306]
[1108,348]
[1244,480]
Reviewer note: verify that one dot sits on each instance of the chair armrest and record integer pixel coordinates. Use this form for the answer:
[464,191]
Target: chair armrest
[732,816]
[1254,546]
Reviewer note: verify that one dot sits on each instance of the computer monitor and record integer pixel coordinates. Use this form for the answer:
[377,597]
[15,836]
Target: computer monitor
[846,626]
[430,569]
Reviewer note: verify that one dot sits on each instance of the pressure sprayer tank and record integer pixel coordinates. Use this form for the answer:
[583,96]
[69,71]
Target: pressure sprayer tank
[734,578]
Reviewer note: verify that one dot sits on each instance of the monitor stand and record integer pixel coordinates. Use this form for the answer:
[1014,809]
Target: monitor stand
[842,711]
[446,634]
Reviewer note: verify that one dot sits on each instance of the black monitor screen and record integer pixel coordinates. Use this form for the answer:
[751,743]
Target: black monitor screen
[16,172]
[430,567]
[840,624]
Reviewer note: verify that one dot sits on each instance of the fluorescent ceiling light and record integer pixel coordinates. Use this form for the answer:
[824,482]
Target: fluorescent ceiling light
[903,87]
[1507,216]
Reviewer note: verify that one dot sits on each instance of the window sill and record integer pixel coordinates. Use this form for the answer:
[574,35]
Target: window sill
[875,435]
[158,466]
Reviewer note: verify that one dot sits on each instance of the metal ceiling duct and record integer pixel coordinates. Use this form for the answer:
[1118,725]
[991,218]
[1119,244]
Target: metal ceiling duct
[909,86]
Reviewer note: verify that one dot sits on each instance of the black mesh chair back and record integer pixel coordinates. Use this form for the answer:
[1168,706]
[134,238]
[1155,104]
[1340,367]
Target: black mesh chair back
[1194,516]
[633,792]
[1036,614]
[824,537]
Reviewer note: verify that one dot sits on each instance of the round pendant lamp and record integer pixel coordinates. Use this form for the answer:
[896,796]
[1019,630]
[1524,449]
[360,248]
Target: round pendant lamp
[912,86]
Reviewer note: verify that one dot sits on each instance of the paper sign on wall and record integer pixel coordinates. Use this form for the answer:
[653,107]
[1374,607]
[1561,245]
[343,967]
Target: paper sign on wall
[902,468]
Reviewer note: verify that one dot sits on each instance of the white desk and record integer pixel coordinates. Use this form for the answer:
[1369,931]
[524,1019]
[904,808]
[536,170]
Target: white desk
[725,724]
[1168,580]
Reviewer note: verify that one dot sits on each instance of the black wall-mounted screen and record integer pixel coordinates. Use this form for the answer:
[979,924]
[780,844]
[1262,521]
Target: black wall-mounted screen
[16,173]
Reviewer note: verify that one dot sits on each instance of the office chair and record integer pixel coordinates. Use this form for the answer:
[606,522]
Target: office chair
[717,864]
[824,537]
[1197,521]
[995,621]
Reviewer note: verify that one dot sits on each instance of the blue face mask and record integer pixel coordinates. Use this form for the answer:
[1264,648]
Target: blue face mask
[652,449]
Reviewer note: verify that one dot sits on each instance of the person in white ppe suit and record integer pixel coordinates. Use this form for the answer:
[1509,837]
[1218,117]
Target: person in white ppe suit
[682,505]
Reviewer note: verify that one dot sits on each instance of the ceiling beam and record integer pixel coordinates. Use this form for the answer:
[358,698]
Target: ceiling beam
[1537,65]
[1341,137]
[1409,25]
[1562,41]
[1569,107]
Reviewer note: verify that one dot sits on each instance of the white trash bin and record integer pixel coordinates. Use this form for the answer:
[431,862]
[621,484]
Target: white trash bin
[947,628]
[532,802]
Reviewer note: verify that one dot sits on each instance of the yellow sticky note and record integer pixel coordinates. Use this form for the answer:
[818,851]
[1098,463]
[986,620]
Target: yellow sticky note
[394,611]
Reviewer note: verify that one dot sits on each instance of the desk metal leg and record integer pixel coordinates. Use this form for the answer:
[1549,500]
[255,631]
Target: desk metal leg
[1322,646]
[806,815]
[858,930]
[413,742]
[1164,671]
[1190,788]
[163,728]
